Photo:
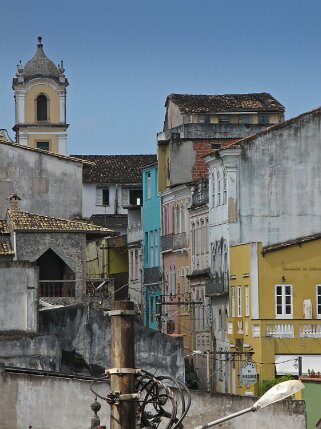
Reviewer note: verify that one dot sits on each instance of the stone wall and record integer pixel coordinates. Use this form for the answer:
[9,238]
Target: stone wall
[70,247]
[49,402]
[18,296]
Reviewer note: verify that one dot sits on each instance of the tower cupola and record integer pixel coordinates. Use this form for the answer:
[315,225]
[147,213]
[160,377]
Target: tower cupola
[40,99]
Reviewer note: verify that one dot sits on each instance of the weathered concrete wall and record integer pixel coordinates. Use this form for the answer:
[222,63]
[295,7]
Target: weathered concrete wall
[48,185]
[70,247]
[58,403]
[206,408]
[43,402]
[18,296]
[280,178]
[86,343]
[40,352]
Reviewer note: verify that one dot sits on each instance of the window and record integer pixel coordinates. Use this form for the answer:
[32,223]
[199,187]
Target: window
[43,145]
[165,226]
[225,261]
[244,119]
[318,301]
[263,119]
[102,196]
[151,250]
[218,188]
[213,257]
[201,119]
[42,108]
[213,190]
[178,217]
[149,186]
[232,301]
[224,119]
[283,302]
[247,301]
[224,187]
[152,310]
[193,238]
[131,197]
[156,248]
[239,301]
[146,247]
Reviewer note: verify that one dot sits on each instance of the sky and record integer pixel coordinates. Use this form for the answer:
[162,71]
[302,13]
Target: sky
[123,57]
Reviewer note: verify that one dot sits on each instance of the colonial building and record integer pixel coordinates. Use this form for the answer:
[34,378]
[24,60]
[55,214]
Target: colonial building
[194,126]
[56,246]
[40,103]
[275,309]
[112,185]
[151,245]
[264,189]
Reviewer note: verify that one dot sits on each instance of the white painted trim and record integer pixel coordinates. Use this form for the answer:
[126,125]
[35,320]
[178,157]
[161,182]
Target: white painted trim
[254,275]
[14,246]
[317,315]
[29,133]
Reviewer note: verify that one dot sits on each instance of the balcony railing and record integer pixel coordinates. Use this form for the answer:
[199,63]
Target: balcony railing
[166,242]
[217,286]
[56,288]
[180,241]
[310,331]
[279,330]
[152,275]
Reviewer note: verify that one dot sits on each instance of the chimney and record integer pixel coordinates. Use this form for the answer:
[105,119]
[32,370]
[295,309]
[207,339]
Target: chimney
[14,201]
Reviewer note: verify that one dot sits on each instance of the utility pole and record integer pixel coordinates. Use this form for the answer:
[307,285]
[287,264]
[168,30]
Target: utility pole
[122,374]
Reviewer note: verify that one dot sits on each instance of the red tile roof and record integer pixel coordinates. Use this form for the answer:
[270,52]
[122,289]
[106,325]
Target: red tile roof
[257,102]
[122,169]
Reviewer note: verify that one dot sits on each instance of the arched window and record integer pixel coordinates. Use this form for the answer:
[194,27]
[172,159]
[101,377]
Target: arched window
[218,188]
[42,108]
[213,190]
[224,187]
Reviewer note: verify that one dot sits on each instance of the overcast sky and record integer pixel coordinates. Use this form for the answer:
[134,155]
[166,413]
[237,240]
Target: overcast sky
[123,58]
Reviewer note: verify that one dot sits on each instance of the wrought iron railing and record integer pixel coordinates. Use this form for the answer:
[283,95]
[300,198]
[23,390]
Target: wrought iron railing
[152,275]
[166,242]
[217,286]
[56,288]
[180,241]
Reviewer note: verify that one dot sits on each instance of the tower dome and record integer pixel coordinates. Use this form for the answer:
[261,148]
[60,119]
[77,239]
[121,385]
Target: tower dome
[40,65]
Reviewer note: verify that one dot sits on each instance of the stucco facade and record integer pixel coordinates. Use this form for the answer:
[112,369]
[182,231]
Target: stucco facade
[47,184]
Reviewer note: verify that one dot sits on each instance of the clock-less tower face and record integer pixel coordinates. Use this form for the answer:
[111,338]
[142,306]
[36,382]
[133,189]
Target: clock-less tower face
[40,103]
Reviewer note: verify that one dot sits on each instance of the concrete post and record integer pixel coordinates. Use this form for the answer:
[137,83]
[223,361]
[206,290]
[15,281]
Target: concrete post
[122,374]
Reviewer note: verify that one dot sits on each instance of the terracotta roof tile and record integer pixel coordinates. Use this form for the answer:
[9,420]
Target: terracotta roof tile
[255,102]
[4,227]
[6,248]
[24,221]
[115,168]
[285,244]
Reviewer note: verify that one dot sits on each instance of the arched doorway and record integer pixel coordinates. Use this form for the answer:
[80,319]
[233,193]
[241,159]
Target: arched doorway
[56,278]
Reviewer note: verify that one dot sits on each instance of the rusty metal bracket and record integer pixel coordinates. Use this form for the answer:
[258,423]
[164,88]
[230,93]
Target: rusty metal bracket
[121,371]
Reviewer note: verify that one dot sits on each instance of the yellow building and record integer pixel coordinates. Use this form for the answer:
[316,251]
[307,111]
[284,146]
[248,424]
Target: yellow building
[40,103]
[274,309]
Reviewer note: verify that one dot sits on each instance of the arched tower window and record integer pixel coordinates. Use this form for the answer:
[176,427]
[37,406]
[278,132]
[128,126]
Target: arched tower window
[42,108]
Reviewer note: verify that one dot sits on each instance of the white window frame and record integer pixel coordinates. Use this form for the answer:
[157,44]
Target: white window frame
[284,314]
[219,189]
[224,187]
[239,301]
[247,301]
[318,295]
[232,301]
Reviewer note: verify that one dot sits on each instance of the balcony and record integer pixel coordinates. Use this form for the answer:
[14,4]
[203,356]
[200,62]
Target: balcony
[152,275]
[279,330]
[310,330]
[217,286]
[166,243]
[56,288]
[134,232]
[180,241]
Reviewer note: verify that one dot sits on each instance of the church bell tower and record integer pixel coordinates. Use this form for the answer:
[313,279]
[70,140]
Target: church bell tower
[40,103]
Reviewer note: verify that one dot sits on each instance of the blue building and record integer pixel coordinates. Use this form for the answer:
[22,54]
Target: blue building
[151,244]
